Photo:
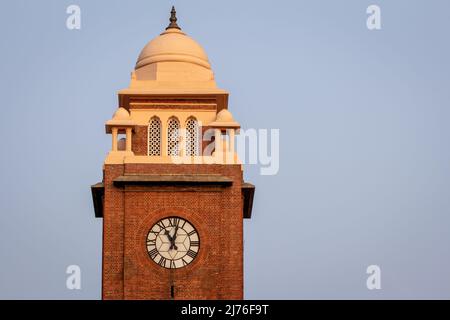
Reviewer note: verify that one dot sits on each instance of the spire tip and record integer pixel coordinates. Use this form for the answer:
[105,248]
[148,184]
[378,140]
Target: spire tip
[173,19]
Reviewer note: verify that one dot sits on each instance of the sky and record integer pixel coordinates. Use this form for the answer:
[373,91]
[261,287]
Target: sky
[363,117]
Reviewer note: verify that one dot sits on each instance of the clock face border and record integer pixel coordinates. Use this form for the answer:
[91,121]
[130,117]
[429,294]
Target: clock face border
[171,252]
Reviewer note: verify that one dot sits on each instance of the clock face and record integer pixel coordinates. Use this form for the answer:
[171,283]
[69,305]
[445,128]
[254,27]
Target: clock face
[173,243]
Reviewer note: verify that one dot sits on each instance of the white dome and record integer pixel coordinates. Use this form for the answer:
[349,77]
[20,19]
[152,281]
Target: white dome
[173,45]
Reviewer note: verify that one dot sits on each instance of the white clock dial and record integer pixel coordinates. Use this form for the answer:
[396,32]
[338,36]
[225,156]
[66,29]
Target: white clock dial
[173,243]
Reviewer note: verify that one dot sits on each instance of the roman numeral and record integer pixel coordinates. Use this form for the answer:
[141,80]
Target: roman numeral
[184,262]
[191,233]
[173,222]
[184,223]
[153,253]
[161,224]
[195,243]
[162,262]
[151,242]
[172,264]
[192,254]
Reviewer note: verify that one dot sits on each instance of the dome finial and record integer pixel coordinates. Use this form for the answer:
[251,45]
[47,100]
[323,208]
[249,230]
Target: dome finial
[173,19]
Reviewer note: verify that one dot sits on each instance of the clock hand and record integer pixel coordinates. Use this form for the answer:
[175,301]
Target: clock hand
[175,234]
[168,236]
[173,238]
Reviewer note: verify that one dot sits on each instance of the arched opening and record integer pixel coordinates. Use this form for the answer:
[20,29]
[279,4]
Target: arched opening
[154,137]
[192,137]
[173,137]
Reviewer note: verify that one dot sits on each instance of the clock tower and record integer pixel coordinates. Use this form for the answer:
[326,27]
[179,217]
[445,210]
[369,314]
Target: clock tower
[172,196]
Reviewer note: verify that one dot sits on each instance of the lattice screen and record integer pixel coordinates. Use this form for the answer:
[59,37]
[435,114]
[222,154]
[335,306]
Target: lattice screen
[154,137]
[173,137]
[192,134]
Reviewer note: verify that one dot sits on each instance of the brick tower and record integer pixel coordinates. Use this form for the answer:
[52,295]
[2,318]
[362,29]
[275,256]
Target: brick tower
[172,197]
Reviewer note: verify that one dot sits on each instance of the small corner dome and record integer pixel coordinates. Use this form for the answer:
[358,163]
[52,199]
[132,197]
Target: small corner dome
[224,116]
[173,45]
[224,119]
[121,114]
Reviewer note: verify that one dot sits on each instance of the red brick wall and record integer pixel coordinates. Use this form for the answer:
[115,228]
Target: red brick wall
[216,213]
[113,236]
[139,141]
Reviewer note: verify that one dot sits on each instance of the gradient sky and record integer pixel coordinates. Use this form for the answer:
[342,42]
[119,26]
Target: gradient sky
[364,126]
